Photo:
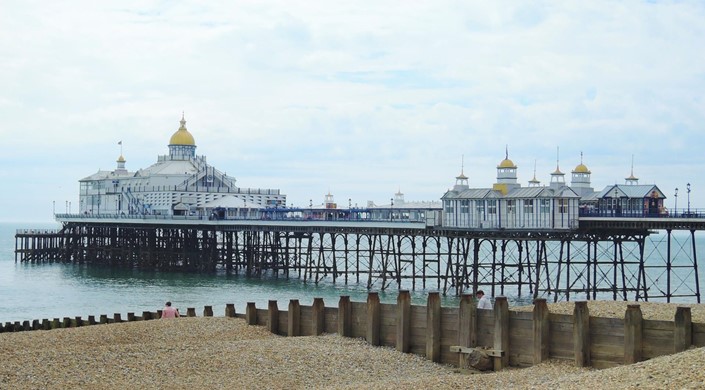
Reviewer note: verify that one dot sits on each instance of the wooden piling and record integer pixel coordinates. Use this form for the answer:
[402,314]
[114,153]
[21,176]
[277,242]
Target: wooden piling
[467,326]
[501,333]
[273,317]
[66,323]
[632,334]
[433,327]
[403,339]
[117,318]
[208,311]
[146,315]
[683,331]
[79,321]
[541,327]
[345,316]
[190,312]
[294,319]
[46,324]
[26,326]
[91,320]
[251,314]
[230,310]
[103,318]
[56,323]
[374,310]
[318,312]
[130,317]
[36,325]
[159,313]
[581,334]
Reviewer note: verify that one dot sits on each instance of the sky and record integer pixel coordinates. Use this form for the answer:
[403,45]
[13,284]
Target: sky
[360,99]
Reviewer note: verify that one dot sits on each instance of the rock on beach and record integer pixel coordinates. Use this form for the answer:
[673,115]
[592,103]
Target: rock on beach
[218,352]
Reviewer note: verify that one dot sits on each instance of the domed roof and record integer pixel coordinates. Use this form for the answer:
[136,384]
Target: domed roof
[121,159]
[506,163]
[581,169]
[182,136]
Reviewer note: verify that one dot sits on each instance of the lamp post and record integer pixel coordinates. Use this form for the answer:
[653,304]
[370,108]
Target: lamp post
[675,211]
[687,187]
[391,209]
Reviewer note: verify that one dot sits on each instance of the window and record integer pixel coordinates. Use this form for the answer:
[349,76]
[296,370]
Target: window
[449,206]
[528,206]
[545,206]
[511,206]
[562,206]
[464,206]
[492,206]
[480,205]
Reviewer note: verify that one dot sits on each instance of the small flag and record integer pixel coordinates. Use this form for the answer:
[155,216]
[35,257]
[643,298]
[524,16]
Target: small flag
[120,143]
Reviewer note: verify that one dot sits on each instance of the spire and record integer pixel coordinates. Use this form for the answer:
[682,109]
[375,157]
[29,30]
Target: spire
[534,182]
[632,179]
[558,159]
[506,151]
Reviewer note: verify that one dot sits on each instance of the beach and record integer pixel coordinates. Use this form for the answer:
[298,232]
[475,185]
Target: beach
[218,352]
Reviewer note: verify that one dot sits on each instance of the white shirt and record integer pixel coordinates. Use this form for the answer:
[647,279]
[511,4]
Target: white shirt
[484,303]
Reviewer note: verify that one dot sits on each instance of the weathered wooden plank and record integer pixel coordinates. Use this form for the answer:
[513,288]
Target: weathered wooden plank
[373,318]
[403,321]
[560,318]
[581,334]
[540,328]
[658,325]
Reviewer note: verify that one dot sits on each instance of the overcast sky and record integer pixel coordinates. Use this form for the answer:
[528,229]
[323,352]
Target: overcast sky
[360,98]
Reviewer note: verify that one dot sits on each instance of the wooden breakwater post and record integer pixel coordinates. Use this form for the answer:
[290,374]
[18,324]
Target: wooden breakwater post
[374,319]
[433,327]
[318,314]
[501,333]
[541,333]
[273,317]
[581,334]
[633,325]
[345,316]
[683,329]
[403,336]
[190,312]
[208,311]
[294,319]
[251,314]
[230,310]
[467,326]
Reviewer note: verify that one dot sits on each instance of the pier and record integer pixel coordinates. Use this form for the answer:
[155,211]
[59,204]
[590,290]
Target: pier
[604,257]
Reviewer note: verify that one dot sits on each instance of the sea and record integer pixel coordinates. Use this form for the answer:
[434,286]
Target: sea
[37,291]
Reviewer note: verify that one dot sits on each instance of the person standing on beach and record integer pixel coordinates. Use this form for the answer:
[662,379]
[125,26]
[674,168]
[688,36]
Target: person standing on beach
[169,312]
[483,302]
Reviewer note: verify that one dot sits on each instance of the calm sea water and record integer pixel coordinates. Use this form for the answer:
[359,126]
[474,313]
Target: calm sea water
[59,290]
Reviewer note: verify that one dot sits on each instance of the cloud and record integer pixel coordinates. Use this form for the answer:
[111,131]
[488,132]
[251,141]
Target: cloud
[359,98]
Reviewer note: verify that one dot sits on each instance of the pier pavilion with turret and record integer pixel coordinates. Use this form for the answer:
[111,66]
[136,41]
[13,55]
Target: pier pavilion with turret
[560,241]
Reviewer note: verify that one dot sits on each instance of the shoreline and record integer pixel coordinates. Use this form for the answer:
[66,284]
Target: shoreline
[221,352]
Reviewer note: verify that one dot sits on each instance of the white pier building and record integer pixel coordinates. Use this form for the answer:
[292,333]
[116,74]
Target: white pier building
[179,183]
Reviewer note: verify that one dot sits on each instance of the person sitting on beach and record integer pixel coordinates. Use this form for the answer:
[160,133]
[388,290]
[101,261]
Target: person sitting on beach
[483,302]
[169,312]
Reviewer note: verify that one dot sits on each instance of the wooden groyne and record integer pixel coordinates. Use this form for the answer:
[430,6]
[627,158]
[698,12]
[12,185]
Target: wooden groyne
[448,335]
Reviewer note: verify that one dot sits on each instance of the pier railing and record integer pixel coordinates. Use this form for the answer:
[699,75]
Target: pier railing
[449,335]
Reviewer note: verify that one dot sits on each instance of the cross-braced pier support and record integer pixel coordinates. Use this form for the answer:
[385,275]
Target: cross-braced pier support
[614,264]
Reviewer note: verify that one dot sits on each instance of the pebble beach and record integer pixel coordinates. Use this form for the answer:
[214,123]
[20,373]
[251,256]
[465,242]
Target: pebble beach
[218,352]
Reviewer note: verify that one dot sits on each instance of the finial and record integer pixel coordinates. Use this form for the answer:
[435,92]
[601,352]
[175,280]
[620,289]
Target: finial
[632,165]
[558,155]
[534,169]
[462,164]
[581,157]
[506,152]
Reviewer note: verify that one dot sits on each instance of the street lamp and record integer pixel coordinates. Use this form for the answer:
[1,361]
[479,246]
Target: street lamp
[687,186]
[676,206]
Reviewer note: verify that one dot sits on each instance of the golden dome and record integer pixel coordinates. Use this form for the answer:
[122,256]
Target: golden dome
[121,159]
[182,136]
[581,169]
[506,163]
